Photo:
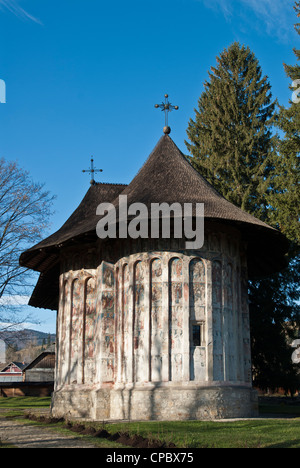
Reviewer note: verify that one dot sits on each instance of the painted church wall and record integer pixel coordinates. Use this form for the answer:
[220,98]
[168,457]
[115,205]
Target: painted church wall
[76,328]
[197,297]
[75,331]
[105,331]
[63,340]
[176,319]
[206,333]
[89,331]
[139,335]
[159,335]
[158,316]
[126,356]
[218,337]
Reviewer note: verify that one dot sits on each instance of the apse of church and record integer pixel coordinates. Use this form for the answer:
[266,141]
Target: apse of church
[158,317]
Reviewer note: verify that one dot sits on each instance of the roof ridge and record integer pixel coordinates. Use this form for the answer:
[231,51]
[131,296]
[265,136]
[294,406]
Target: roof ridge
[110,183]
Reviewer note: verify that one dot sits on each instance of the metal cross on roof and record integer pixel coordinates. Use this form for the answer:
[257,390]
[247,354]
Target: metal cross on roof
[166,107]
[92,171]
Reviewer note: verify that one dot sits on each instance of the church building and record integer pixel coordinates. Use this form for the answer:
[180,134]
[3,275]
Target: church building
[146,328]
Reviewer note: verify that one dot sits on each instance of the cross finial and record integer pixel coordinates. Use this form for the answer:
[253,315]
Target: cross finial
[92,171]
[166,107]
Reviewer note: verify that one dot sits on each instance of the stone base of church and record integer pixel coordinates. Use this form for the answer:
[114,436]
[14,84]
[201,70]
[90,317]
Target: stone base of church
[156,402]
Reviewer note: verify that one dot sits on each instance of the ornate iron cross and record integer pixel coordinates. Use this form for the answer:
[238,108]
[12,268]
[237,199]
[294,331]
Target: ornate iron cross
[166,107]
[92,171]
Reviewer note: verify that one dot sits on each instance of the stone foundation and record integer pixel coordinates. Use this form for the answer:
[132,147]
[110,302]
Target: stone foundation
[156,402]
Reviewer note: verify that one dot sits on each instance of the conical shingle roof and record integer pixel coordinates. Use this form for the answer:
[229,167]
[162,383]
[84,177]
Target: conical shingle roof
[168,177]
[81,222]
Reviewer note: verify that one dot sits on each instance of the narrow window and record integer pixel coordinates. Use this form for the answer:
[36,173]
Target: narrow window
[198,334]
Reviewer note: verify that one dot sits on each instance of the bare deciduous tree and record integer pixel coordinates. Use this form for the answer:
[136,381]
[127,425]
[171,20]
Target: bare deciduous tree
[25,208]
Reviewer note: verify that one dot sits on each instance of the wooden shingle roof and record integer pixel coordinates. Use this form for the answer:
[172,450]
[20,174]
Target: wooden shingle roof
[43,256]
[168,177]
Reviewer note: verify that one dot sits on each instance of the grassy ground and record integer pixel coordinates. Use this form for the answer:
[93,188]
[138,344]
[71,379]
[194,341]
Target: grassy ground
[25,402]
[260,433]
[237,434]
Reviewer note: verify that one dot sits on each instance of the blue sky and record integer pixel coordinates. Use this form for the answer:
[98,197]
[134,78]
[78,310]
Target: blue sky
[82,78]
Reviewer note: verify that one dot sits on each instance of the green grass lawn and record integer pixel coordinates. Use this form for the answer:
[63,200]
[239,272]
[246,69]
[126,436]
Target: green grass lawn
[237,434]
[265,433]
[25,402]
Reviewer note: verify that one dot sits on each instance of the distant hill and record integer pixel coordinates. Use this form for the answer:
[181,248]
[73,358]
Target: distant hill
[21,339]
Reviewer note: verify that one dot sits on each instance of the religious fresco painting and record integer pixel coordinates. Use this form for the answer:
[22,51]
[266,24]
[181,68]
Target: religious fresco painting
[139,321]
[89,330]
[63,331]
[75,331]
[230,321]
[176,319]
[127,323]
[217,319]
[119,338]
[159,338]
[107,321]
[197,282]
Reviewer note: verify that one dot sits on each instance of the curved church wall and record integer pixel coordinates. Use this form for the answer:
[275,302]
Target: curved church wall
[155,320]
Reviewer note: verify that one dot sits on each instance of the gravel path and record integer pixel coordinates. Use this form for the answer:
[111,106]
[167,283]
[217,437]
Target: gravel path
[28,436]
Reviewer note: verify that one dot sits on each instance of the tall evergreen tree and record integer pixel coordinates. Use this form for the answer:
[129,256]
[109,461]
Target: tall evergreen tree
[285,199]
[233,146]
[276,299]
[231,137]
